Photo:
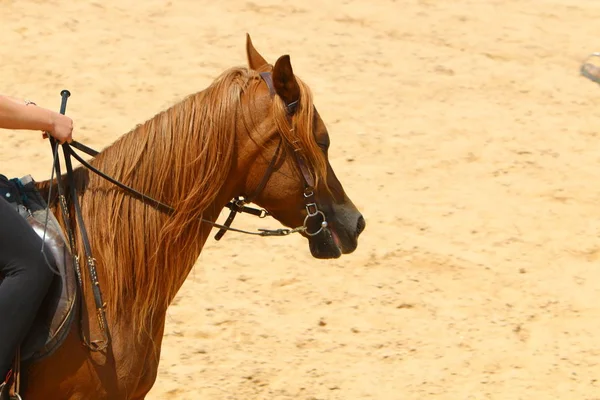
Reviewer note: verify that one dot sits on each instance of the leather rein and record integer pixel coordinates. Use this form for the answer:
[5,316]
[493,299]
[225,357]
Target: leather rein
[236,205]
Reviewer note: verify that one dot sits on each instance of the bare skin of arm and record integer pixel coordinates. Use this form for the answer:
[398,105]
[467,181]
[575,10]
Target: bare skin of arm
[15,114]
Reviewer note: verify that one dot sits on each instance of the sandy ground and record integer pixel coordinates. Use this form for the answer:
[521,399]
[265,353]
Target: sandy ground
[460,128]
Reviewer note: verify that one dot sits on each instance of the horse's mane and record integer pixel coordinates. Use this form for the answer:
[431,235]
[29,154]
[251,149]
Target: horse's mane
[181,156]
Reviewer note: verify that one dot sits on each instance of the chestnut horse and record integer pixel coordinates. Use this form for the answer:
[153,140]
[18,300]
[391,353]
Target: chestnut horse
[212,146]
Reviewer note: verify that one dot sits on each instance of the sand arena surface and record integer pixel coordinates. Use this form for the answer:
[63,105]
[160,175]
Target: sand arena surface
[460,128]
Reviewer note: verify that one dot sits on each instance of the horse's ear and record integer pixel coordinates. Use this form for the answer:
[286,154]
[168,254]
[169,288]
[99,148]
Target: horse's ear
[255,60]
[284,80]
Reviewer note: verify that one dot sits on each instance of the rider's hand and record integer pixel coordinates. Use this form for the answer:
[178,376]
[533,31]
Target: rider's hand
[62,127]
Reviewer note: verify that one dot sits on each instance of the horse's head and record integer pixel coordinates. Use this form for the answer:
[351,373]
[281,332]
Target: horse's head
[289,173]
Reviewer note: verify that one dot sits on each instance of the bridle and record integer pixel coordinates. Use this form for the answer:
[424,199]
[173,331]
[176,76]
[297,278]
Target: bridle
[236,205]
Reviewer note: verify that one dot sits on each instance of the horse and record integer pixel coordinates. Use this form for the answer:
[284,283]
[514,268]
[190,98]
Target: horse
[253,133]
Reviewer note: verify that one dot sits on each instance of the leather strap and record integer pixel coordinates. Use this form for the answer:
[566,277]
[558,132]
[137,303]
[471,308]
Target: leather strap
[308,177]
[267,176]
[239,203]
[227,223]
[68,223]
[168,209]
[84,148]
[155,203]
[268,78]
[102,344]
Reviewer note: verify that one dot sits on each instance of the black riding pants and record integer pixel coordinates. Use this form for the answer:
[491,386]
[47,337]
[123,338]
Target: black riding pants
[27,278]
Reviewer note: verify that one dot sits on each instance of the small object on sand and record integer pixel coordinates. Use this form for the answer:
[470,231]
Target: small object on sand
[591,69]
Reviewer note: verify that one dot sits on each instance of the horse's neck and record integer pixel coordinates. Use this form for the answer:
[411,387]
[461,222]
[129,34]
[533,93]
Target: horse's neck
[144,255]
[133,268]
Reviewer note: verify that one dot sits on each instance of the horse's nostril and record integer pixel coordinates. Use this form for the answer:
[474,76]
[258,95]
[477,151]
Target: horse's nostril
[360,226]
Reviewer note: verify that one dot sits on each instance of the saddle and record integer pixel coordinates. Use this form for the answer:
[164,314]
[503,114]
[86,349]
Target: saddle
[55,316]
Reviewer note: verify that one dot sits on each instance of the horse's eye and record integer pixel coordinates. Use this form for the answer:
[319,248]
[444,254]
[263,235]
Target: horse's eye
[323,142]
[323,146]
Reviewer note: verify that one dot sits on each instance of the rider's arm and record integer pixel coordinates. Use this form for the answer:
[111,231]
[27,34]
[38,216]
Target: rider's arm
[15,114]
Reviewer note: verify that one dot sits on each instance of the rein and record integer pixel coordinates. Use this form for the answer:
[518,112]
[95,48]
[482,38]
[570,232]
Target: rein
[234,204]
[96,345]
[237,205]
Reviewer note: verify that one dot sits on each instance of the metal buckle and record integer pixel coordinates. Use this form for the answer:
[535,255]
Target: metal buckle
[240,203]
[263,213]
[312,206]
